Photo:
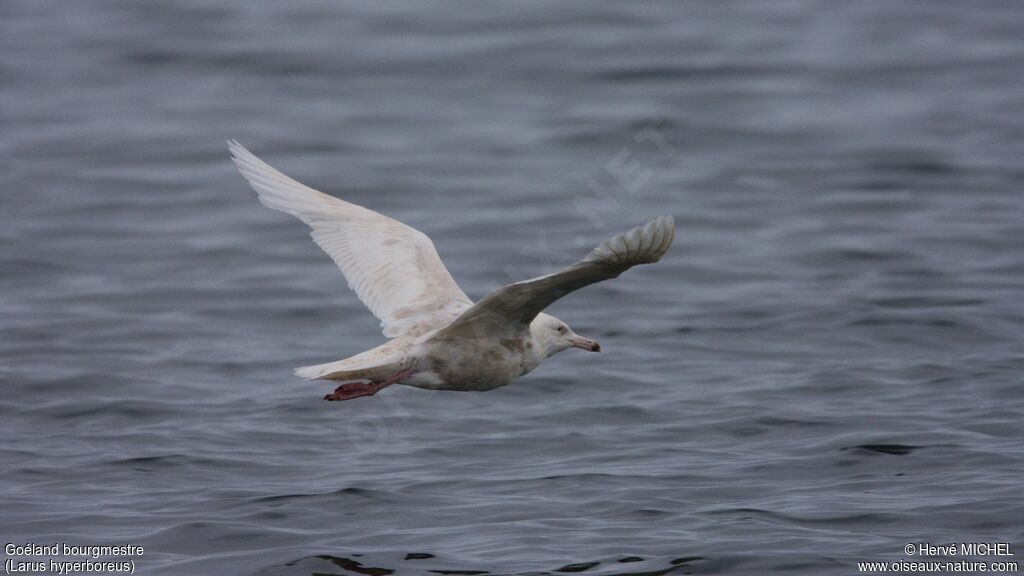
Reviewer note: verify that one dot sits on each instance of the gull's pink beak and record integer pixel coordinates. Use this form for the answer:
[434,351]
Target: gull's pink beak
[585,344]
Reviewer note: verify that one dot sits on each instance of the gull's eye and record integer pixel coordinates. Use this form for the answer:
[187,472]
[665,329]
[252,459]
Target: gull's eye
[561,329]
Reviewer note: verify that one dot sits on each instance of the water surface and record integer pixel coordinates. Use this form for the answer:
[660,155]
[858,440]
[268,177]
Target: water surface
[825,367]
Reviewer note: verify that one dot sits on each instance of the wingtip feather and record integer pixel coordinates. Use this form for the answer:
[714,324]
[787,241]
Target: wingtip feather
[641,245]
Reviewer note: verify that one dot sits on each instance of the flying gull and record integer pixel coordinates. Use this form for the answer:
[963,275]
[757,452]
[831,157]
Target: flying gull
[439,339]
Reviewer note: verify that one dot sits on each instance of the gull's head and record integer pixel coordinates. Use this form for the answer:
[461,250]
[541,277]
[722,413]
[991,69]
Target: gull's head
[555,335]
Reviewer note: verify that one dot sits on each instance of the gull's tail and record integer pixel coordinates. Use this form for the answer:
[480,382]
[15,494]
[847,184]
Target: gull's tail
[377,364]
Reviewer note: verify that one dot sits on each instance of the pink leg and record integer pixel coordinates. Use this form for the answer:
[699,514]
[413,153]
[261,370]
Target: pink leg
[357,389]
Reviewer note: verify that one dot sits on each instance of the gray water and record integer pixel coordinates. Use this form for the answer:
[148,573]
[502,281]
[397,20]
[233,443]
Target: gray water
[826,366]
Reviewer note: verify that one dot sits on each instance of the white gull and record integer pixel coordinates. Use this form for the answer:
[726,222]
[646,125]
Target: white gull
[440,339]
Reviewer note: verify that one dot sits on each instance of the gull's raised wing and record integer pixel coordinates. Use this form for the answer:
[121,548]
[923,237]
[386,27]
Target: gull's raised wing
[394,269]
[512,308]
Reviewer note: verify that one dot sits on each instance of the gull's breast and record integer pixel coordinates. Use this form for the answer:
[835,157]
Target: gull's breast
[473,364]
